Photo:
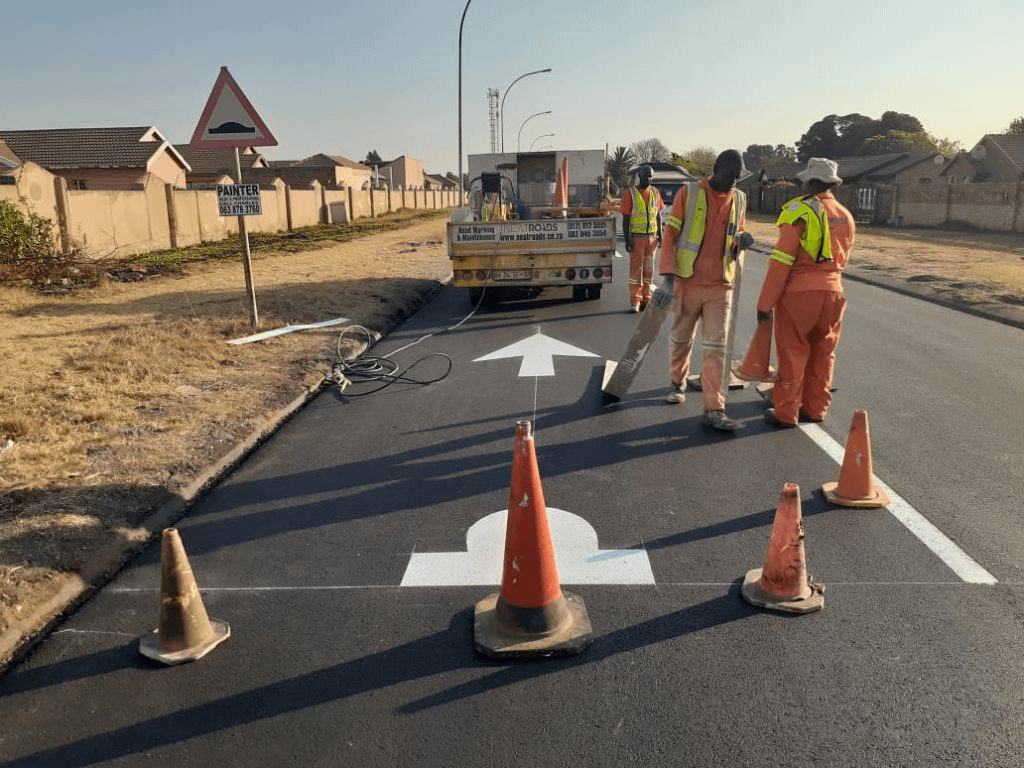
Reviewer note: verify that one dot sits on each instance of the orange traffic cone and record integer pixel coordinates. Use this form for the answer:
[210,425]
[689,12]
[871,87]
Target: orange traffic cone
[856,487]
[185,632]
[783,583]
[531,616]
[756,365]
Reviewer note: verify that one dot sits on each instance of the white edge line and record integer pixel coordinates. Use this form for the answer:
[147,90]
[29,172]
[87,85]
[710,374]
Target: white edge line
[962,564]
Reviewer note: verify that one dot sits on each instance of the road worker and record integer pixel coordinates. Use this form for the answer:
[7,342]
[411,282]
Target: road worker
[703,235]
[641,226]
[803,293]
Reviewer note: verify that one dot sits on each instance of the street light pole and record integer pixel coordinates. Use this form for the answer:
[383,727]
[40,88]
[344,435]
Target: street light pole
[501,109]
[542,136]
[461,190]
[518,142]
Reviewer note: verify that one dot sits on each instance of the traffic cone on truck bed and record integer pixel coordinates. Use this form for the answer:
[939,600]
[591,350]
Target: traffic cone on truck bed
[531,615]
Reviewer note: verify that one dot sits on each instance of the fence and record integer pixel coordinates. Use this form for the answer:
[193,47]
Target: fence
[157,216]
[988,206]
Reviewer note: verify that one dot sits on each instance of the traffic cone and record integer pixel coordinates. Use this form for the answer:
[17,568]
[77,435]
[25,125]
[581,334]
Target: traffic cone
[756,365]
[531,615]
[185,632]
[783,583]
[856,487]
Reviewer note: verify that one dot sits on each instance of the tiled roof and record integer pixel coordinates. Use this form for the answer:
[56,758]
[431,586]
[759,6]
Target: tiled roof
[206,161]
[319,161]
[860,165]
[1012,145]
[72,148]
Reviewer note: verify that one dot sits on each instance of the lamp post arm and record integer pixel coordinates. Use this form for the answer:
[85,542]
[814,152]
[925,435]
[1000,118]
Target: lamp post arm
[501,109]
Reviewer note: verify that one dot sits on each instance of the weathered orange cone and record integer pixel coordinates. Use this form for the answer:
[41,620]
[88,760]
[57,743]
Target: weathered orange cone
[531,616]
[185,632]
[783,583]
[856,486]
[756,365]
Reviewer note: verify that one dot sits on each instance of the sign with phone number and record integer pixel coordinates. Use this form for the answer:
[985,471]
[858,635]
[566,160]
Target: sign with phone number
[239,200]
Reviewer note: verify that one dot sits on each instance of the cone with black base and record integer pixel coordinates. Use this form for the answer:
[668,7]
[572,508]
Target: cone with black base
[531,615]
[856,485]
[185,633]
[783,583]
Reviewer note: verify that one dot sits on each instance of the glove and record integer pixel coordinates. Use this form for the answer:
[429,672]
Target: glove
[664,293]
[745,240]
[764,317]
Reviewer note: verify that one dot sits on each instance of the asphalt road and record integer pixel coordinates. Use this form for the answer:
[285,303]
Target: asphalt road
[304,550]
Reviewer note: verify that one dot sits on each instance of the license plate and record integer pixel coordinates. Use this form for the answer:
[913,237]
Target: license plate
[512,274]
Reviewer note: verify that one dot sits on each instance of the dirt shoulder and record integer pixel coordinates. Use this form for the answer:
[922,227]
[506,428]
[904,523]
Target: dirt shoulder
[122,403]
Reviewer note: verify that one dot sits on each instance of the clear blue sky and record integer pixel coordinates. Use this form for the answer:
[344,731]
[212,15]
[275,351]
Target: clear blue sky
[346,76]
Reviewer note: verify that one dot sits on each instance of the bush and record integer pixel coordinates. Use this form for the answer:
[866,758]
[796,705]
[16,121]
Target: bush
[28,253]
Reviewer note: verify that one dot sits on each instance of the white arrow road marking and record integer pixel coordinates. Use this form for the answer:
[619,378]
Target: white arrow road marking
[538,353]
[577,557]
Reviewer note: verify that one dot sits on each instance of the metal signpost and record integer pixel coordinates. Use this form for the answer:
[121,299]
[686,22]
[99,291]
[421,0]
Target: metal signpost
[230,121]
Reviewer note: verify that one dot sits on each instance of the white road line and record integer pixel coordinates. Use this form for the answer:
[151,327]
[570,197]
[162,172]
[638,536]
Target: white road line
[962,564]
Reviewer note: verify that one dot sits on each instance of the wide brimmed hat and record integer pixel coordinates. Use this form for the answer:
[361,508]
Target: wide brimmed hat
[822,169]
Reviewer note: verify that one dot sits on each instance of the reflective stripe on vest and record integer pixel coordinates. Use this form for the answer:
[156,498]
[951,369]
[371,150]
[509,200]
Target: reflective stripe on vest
[815,239]
[644,219]
[696,223]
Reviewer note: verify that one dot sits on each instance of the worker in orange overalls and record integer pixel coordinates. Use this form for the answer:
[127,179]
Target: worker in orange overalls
[641,227]
[703,236]
[803,290]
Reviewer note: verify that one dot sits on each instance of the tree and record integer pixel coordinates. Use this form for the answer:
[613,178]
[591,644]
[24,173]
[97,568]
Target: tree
[854,134]
[758,156]
[1016,127]
[904,141]
[373,158]
[699,160]
[619,164]
[650,151]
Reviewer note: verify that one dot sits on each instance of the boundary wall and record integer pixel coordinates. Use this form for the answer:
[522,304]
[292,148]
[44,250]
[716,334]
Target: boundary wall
[157,216]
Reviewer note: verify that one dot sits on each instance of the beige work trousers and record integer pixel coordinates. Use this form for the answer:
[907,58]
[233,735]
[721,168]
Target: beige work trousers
[710,305]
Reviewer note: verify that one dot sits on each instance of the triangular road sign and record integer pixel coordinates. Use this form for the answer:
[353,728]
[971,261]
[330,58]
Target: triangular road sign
[229,120]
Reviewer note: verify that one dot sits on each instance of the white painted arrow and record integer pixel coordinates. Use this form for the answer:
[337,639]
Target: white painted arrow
[538,352]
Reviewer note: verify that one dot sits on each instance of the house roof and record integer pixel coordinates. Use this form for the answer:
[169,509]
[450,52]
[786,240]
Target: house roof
[321,160]
[207,161]
[855,166]
[74,148]
[7,157]
[1011,145]
[909,160]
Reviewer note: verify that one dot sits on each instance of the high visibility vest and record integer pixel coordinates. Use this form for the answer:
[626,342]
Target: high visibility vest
[644,219]
[688,244]
[815,238]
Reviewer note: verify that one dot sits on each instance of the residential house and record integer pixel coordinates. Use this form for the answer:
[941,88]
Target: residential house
[7,157]
[404,172]
[217,166]
[101,158]
[332,171]
[437,181]
[997,157]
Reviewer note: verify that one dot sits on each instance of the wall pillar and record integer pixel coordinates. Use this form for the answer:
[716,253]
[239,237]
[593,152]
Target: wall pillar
[60,188]
[172,216]
[288,206]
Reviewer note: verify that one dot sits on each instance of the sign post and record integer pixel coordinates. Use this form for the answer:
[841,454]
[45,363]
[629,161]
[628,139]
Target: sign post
[229,120]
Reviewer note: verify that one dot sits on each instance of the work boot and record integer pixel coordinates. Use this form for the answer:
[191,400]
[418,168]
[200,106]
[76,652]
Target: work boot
[804,416]
[643,305]
[718,420]
[775,421]
[676,394]
[634,308]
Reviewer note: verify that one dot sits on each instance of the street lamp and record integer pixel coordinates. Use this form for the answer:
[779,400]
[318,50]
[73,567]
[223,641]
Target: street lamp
[542,136]
[501,109]
[461,190]
[518,147]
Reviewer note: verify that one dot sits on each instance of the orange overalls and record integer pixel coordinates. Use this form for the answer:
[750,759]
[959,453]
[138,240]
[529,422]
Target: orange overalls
[644,226]
[807,296]
[704,296]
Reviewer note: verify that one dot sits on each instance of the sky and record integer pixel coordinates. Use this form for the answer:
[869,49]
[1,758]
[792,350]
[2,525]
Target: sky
[344,77]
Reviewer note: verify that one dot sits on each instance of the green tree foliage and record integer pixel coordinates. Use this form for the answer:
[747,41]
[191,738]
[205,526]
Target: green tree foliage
[619,163]
[904,141]
[757,156]
[834,136]
[27,251]
[699,160]
[373,158]
[1016,127]
[650,151]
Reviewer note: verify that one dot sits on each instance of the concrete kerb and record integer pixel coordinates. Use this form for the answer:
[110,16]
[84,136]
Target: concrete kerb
[76,588]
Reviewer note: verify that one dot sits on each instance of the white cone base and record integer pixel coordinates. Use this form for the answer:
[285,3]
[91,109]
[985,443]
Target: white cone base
[878,498]
[493,639]
[771,377]
[149,646]
[755,595]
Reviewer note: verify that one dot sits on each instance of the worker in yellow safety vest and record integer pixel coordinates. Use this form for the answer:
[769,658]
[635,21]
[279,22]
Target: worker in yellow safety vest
[704,233]
[641,226]
[802,294]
